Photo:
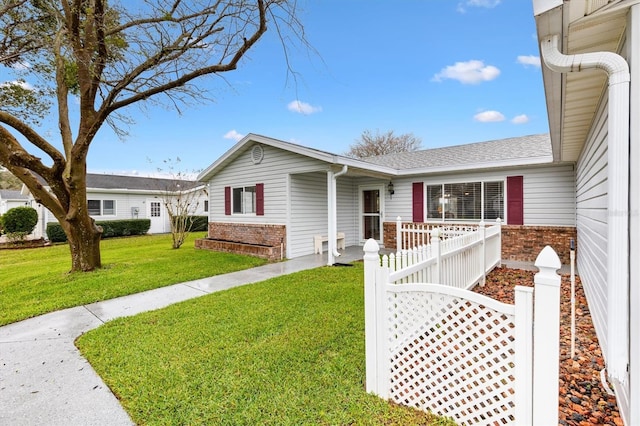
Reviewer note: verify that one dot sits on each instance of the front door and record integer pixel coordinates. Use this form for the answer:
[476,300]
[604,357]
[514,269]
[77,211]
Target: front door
[371,213]
[155,212]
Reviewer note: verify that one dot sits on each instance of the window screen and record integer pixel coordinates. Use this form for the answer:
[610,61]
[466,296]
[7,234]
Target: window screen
[94,207]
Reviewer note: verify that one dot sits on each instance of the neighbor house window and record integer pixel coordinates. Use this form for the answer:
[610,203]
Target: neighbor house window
[101,207]
[244,200]
[469,201]
[206,206]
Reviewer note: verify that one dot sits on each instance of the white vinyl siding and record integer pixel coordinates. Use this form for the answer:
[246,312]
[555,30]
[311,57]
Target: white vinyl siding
[272,171]
[308,212]
[549,198]
[591,219]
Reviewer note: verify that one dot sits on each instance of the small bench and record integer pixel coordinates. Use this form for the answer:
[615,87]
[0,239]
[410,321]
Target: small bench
[319,239]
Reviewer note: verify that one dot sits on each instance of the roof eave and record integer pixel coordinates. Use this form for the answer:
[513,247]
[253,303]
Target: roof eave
[532,161]
[326,157]
[549,21]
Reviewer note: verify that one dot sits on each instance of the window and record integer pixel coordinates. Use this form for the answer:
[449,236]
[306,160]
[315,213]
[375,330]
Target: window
[155,208]
[469,201]
[206,206]
[108,207]
[94,207]
[101,207]
[244,200]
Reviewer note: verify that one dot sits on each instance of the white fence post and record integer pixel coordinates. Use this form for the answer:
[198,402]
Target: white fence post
[398,234]
[371,266]
[483,237]
[523,355]
[499,224]
[435,252]
[546,343]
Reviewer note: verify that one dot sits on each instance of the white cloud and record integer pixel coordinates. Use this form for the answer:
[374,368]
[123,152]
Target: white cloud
[302,107]
[489,117]
[488,4]
[527,60]
[232,134]
[21,66]
[470,72]
[20,83]
[520,119]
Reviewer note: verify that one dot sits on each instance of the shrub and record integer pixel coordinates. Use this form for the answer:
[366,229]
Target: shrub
[20,220]
[123,228]
[55,233]
[110,229]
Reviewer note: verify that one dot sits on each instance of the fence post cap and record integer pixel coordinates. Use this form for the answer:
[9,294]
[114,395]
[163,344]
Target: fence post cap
[371,246]
[548,258]
[548,263]
[399,219]
[435,232]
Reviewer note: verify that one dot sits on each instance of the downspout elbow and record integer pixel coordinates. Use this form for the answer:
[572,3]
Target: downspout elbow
[613,64]
[341,172]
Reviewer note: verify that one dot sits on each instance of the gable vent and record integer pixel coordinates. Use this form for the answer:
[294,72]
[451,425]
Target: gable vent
[257,154]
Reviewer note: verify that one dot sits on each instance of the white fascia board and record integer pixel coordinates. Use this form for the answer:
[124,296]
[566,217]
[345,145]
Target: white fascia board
[542,6]
[138,191]
[286,146]
[534,161]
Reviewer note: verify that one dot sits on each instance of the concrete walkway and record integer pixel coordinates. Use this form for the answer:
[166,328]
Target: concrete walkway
[45,381]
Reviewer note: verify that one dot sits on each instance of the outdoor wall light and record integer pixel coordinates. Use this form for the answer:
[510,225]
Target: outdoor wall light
[390,189]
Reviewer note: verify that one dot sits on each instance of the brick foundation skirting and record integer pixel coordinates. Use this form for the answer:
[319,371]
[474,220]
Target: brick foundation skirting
[519,242]
[261,240]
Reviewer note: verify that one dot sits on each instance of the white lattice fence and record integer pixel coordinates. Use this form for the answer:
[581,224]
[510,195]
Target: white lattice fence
[452,355]
[457,353]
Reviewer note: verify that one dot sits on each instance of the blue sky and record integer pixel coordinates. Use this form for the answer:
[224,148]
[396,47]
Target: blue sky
[448,71]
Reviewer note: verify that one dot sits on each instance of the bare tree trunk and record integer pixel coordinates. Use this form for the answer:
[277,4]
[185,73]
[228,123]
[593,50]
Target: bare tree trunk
[83,236]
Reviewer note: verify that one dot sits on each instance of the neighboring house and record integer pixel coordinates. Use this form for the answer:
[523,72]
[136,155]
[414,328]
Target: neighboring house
[11,198]
[591,55]
[115,197]
[281,196]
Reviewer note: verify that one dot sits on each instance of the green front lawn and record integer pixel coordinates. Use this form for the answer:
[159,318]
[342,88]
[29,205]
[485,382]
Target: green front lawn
[287,351]
[36,281]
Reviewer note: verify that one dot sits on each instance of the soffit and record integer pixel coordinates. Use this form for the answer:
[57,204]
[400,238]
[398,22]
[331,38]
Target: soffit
[601,31]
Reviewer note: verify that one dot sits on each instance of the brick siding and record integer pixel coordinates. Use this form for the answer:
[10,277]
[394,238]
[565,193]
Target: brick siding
[261,240]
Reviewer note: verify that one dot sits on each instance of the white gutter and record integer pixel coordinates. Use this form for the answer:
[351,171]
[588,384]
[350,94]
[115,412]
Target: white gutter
[332,207]
[617,354]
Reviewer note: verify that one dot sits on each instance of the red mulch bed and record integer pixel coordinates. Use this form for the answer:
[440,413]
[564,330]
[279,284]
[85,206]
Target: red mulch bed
[583,400]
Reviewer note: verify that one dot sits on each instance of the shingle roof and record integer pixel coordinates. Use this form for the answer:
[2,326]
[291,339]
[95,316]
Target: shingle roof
[104,181]
[510,149]
[9,194]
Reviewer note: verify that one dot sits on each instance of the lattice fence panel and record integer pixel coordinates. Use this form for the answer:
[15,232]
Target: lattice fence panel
[452,356]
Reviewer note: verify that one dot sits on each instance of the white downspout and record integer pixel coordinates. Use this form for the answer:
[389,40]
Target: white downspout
[332,206]
[617,354]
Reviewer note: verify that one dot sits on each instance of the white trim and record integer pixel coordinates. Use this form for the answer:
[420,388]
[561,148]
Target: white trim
[634,220]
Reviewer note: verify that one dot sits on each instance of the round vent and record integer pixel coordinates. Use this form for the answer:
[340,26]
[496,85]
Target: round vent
[257,154]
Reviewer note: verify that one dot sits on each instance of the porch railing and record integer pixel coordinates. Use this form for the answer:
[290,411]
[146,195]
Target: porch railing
[409,235]
[461,261]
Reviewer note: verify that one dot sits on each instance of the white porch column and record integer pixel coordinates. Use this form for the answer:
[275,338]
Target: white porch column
[332,217]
